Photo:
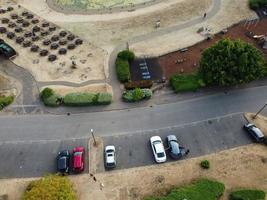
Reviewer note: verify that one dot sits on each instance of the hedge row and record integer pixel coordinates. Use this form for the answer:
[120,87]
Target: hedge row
[202,189]
[136,95]
[122,65]
[247,195]
[50,98]
[186,82]
[255,4]
[5,101]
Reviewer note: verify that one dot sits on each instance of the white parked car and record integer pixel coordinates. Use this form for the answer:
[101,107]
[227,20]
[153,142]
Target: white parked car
[158,149]
[110,156]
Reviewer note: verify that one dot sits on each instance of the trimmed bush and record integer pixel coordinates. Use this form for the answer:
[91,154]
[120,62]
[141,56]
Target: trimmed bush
[231,62]
[205,164]
[126,55]
[136,95]
[186,82]
[255,4]
[104,98]
[138,84]
[5,101]
[247,195]
[51,187]
[202,189]
[123,70]
[46,93]
[80,99]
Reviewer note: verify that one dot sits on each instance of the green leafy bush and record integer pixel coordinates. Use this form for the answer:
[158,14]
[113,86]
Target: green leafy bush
[5,101]
[126,55]
[136,95]
[104,98]
[138,84]
[247,195]
[46,93]
[205,164]
[80,99]
[202,189]
[186,82]
[254,4]
[51,187]
[123,70]
[231,62]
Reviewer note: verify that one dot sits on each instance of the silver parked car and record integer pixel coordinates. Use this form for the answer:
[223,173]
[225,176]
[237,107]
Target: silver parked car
[158,149]
[110,156]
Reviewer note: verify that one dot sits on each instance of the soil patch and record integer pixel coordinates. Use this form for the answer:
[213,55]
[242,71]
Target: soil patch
[188,61]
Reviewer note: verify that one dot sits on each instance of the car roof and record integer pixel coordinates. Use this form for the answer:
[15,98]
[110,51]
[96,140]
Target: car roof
[159,147]
[110,158]
[175,147]
[257,131]
[77,160]
[62,162]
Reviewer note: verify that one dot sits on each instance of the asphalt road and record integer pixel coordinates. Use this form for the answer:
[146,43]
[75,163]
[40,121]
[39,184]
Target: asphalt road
[200,138]
[37,158]
[29,143]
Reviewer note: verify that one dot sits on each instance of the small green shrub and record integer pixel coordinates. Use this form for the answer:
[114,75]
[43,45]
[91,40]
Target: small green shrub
[247,195]
[46,93]
[202,189]
[80,99]
[51,187]
[138,84]
[126,55]
[186,82]
[205,164]
[123,70]
[53,101]
[5,101]
[136,95]
[104,98]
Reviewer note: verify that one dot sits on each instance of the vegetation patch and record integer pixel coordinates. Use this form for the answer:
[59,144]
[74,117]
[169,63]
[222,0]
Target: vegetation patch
[80,99]
[205,164]
[138,84]
[231,62]
[186,82]
[50,98]
[51,187]
[137,94]
[201,189]
[5,101]
[247,195]
[255,4]
[122,65]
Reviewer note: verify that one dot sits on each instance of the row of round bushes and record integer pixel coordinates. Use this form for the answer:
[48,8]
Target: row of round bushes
[50,98]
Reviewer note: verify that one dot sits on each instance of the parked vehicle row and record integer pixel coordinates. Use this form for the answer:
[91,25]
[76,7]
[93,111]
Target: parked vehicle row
[75,161]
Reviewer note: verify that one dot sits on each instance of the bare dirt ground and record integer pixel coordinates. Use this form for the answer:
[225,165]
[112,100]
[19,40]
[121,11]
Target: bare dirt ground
[191,57]
[63,90]
[242,167]
[9,86]
[231,12]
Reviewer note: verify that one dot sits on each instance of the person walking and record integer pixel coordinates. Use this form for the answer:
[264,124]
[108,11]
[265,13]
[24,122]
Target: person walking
[205,15]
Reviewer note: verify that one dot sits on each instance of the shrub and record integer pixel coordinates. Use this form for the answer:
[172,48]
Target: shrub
[231,62]
[247,195]
[126,55]
[255,4]
[5,101]
[138,84]
[104,98]
[123,70]
[136,95]
[53,101]
[80,99]
[50,188]
[46,93]
[205,164]
[202,189]
[186,82]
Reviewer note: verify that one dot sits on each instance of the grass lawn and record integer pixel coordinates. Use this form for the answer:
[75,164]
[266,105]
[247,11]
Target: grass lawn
[201,189]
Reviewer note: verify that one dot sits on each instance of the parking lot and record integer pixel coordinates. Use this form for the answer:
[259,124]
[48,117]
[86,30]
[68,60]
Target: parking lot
[37,158]
[201,138]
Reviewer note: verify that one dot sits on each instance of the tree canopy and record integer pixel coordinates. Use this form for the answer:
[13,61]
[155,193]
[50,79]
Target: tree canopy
[231,62]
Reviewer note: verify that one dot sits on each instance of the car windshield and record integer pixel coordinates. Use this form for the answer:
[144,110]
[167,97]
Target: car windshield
[109,151]
[110,155]
[78,153]
[160,155]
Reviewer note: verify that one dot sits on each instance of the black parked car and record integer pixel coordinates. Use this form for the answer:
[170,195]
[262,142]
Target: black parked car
[63,161]
[254,132]
[176,151]
[6,50]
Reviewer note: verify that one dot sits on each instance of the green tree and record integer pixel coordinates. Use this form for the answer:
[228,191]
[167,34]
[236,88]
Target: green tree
[231,62]
[52,187]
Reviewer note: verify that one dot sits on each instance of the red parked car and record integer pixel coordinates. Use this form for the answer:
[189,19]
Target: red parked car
[78,159]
